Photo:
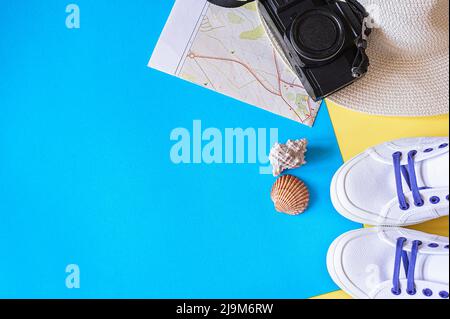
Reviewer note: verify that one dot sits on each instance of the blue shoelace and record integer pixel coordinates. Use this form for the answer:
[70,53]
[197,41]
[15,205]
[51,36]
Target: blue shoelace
[409,173]
[409,265]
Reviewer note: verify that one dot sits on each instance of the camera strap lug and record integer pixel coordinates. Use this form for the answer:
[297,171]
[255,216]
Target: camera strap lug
[361,63]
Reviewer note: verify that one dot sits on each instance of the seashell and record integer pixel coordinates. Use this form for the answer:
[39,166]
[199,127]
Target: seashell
[290,195]
[287,156]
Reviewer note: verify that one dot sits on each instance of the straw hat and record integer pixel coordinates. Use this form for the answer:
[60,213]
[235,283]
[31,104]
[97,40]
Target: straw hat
[408,51]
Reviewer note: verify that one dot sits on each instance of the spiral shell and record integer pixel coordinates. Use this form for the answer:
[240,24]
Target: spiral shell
[290,195]
[287,156]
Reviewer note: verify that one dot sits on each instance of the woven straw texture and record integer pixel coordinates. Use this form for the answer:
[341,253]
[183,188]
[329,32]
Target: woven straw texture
[409,72]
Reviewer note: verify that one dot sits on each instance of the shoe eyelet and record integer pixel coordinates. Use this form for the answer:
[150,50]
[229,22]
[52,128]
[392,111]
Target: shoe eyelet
[429,150]
[420,204]
[427,292]
[405,207]
[396,292]
[433,245]
[443,145]
[443,294]
[412,292]
[435,200]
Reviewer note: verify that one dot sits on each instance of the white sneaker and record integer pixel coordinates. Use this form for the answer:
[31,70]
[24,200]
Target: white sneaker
[399,183]
[390,263]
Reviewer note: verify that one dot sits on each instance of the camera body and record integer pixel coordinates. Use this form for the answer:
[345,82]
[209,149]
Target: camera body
[319,39]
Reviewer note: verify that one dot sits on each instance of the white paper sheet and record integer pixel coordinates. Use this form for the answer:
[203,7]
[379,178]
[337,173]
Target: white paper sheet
[227,50]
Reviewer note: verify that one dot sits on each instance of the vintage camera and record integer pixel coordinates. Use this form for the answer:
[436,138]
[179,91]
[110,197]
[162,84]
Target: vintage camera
[324,41]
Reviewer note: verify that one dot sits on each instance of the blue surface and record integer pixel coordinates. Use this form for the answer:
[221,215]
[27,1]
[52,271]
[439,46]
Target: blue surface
[86,176]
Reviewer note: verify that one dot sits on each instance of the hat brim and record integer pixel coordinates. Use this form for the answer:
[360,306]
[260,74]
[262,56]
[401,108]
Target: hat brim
[396,86]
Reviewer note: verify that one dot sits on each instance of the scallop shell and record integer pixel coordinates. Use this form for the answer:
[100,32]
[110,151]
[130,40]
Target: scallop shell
[290,195]
[287,156]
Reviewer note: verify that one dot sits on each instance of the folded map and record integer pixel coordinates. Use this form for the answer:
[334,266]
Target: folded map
[227,50]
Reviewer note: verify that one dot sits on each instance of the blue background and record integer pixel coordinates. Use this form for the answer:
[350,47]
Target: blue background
[86,177]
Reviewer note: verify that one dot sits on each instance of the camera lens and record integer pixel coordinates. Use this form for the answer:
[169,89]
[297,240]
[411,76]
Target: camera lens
[317,35]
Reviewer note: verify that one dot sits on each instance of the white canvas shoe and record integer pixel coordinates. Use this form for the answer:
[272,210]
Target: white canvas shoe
[390,263]
[398,183]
